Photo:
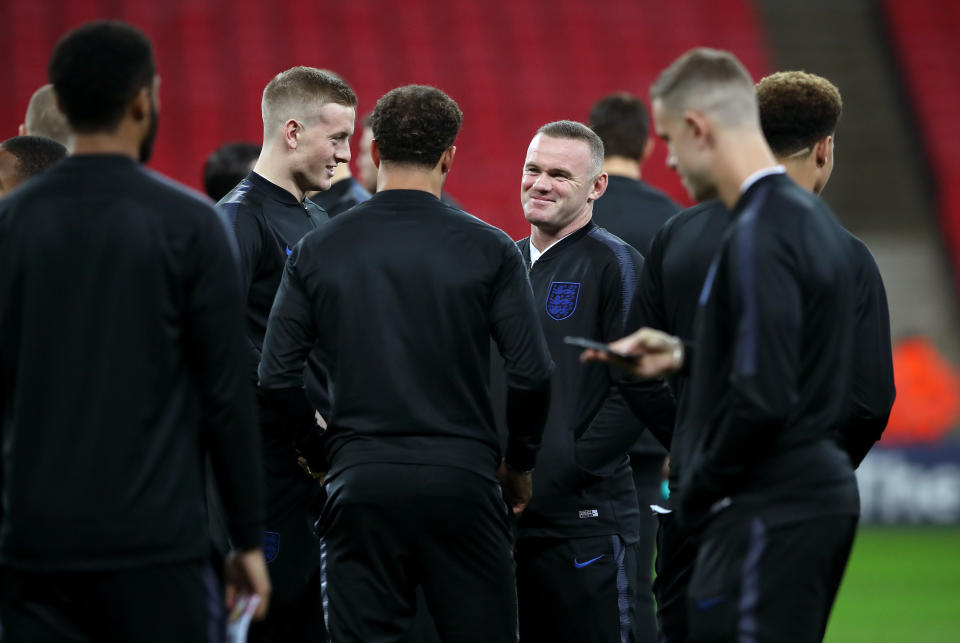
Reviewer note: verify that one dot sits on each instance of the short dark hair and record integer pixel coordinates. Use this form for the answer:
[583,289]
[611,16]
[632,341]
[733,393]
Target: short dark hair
[710,80]
[227,166]
[797,109]
[301,86]
[97,69]
[34,154]
[415,124]
[578,132]
[622,122]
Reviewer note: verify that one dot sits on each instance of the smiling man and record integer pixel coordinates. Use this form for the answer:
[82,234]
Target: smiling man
[576,564]
[308,118]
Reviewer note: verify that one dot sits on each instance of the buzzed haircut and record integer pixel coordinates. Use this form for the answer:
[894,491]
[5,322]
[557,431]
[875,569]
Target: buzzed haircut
[797,109]
[44,118]
[415,125]
[97,69]
[227,166]
[711,81]
[34,154]
[622,122]
[294,93]
[578,132]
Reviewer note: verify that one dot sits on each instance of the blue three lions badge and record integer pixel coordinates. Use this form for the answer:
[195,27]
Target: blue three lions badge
[562,299]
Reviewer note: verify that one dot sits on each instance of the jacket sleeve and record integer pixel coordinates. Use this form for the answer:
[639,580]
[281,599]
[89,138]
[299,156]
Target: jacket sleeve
[291,333]
[764,378]
[873,387]
[213,339]
[516,329]
[248,232]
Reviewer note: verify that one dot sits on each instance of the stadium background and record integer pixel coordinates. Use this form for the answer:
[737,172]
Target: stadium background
[513,65]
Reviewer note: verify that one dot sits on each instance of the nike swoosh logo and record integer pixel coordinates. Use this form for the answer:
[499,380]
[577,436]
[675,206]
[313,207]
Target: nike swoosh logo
[586,562]
[289,251]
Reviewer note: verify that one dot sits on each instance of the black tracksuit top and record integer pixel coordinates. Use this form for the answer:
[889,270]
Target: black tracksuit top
[121,360]
[584,286]
[401,297]
[772,364]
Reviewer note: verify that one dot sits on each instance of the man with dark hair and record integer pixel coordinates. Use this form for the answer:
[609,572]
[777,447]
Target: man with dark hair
[756,473]
[227,166]
[401,297]
[22,157]
[634,210]
[576,556]
[365,165]
[308,119]
[120,364]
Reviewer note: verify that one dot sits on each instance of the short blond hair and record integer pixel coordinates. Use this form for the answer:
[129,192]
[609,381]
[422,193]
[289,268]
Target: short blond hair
[44,118]
[708,80]
[294,92]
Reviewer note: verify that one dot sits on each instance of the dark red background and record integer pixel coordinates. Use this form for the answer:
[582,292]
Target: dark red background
[511,65]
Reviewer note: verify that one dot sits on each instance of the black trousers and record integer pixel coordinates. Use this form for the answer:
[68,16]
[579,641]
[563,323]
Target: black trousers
[753,583]
[579,590]
[181,603]
[676,555]
[390,528]
[647,478]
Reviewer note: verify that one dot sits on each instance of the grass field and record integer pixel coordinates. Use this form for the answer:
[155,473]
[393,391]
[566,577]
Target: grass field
[902,586]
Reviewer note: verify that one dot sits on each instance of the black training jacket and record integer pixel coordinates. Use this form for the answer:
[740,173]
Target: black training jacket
[584,286]
[772,364]
[121,362]
[401,297]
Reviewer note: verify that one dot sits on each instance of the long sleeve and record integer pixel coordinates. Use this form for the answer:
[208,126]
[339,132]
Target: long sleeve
[517,332]
[761,287]
[249,236]
[873,386]
[213,337]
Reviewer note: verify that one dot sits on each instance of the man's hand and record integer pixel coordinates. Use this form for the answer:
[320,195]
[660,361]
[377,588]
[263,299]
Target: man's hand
[517,487]
[654,353]
[247,574]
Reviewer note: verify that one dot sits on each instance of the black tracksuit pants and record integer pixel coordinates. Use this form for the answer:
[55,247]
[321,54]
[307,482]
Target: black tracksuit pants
[389,528]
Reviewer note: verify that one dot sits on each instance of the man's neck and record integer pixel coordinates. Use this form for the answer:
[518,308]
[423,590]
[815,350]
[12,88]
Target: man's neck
[542,238]
[740,154]
[106,144]
[622,166]
[404,177]
[799,170]
[270,168]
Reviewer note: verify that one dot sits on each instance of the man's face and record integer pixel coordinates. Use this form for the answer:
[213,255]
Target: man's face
[322,142]
[365,166]
[9,174]
[558,182]
[685,153]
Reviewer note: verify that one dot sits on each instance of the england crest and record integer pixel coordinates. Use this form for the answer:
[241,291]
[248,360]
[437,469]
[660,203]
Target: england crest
[271,545]
[562,299]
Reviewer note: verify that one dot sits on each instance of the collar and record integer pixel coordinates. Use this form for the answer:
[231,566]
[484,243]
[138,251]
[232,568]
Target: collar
[275,192]
[559,245]
[759,174]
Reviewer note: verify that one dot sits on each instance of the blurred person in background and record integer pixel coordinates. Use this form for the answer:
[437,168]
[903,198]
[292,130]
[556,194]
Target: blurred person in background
[308,119]
[634,210]
[120,367]
[44,118]
[22,157]
[228,165]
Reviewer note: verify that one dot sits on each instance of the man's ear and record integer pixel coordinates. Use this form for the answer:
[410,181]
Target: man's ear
[446,159]
[291,133]
[648,148]
[375,153]
[700,127]
[140,106]
[823,150]
[22,130]
[599,187]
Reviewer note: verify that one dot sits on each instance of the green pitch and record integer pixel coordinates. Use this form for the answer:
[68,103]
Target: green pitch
[902,586]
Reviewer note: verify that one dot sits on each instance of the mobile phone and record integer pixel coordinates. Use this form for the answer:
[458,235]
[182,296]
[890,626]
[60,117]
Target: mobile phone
[583,342]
